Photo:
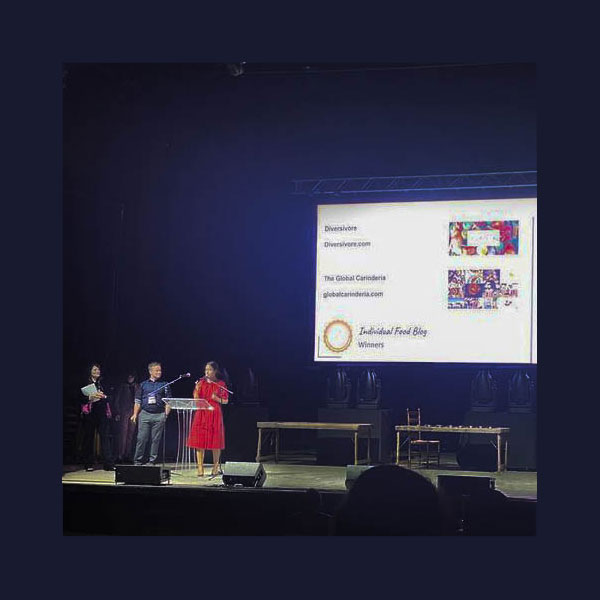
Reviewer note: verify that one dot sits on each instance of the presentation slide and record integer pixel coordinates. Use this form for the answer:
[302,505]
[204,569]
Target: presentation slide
[441,281]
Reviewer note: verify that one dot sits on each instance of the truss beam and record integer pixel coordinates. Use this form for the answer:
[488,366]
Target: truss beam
[465,181]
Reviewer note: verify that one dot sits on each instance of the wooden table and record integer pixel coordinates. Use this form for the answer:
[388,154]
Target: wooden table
[356,428]
[501,434]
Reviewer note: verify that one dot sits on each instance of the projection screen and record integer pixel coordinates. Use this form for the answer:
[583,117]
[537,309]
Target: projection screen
[436,281]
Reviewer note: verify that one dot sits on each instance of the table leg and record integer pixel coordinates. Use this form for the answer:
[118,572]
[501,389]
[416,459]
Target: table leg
[258,447]
[506,453]
[499,451]
[397,447]
[369,448]
[356,447]
[276,445]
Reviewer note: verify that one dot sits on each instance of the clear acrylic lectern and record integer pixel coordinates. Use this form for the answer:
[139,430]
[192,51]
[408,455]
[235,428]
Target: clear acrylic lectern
[185,407]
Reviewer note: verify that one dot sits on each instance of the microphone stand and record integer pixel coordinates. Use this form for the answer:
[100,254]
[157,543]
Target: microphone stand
[223,416]
[205,378]
[162,387]
[215,383]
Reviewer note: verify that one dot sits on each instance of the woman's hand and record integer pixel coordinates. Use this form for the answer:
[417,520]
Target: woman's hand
[216,398]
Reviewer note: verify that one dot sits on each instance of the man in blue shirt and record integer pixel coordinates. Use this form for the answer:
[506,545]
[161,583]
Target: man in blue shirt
[153,412]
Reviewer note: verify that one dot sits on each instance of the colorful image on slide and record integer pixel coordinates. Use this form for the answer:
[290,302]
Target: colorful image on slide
[480,289]
[480,238]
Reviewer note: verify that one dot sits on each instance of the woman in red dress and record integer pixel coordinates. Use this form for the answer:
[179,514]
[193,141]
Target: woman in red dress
[207,431]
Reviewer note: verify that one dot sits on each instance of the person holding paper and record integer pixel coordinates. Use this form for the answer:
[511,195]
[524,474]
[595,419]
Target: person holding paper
[152,411]
[96,414]
[207,431]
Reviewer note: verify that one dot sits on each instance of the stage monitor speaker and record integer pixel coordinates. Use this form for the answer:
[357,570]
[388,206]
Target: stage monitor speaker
[353,472]
[464,485]
[141,475]
[244,474]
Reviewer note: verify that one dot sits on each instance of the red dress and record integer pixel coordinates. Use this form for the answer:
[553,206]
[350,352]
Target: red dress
[207,431]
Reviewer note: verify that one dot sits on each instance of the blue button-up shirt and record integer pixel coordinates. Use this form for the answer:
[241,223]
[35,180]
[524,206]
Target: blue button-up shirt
[148,389]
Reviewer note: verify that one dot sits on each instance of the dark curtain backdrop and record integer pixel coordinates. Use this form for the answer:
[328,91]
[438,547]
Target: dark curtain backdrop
[184,243]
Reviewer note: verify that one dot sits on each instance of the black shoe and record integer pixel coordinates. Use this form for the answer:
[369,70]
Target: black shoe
[89,468]
[109,467]
[213,475]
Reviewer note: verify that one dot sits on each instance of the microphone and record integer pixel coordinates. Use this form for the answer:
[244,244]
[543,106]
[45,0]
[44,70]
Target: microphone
[184,375]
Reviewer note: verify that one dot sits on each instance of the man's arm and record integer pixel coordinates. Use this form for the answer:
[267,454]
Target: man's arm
[136,411]
[137,407]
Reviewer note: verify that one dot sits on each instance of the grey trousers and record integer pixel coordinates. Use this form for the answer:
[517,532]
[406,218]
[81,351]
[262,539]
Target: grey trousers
[150,429]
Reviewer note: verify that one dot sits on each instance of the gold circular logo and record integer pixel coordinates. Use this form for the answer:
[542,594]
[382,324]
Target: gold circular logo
[337,335]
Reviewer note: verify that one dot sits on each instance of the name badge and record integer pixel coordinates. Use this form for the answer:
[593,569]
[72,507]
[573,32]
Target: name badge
[151,400]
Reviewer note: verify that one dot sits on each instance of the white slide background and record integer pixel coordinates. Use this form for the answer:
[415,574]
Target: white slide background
[406,318]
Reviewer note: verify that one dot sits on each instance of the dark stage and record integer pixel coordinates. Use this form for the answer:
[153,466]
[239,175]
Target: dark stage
[95,505]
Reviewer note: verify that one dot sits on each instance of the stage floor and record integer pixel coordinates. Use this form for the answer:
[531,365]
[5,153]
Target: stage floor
[297,472]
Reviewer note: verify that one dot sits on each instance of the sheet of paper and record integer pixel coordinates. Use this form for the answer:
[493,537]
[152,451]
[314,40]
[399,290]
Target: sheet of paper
[88,390]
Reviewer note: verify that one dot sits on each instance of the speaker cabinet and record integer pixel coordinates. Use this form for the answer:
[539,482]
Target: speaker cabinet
[141,475]
[353,472]
[244,474]
[464,485]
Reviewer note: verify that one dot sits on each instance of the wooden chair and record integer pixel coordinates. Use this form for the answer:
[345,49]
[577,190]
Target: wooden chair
[416,442]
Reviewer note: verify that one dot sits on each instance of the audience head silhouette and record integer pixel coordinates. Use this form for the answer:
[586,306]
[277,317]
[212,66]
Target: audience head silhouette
[390,500]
